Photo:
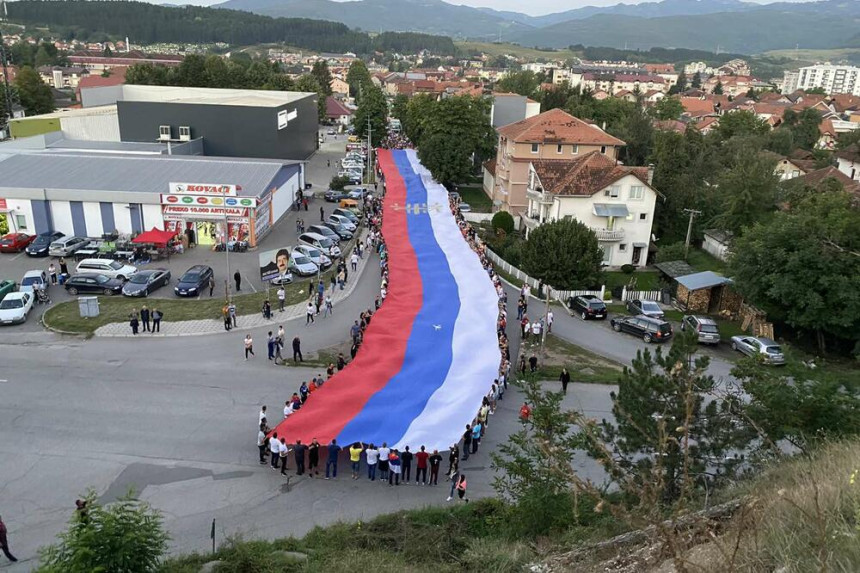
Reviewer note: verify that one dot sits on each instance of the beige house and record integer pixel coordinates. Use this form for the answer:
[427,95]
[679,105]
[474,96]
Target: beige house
[552,135]
[339,86]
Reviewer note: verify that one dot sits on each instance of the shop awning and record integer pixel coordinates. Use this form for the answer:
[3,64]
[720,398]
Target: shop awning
[610,210]
[154,236]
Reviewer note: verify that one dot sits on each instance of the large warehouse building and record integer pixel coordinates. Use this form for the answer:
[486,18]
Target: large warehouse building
[89,189]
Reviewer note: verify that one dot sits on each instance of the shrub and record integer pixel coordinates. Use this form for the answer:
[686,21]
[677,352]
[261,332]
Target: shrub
[673,252]
[338,183]
[503,221]
[627,269]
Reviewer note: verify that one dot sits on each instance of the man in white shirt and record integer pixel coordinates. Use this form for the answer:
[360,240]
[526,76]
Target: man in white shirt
[282,297]
[537,327]
[353,260]
[288,409]
[261,444]
[384,452]
[274,449]
[549,319]
[262,414]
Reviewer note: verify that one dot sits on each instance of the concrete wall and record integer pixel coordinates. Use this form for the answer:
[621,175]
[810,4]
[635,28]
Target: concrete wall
[227,131]
[104,127]
[508,109]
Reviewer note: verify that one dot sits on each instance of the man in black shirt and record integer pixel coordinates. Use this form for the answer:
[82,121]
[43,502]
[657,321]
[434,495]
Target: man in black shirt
[435,462]
[299,450]
[406,464]
[467,442]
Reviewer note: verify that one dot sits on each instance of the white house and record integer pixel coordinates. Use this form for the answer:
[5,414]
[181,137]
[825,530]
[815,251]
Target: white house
[848,161]
[616,201]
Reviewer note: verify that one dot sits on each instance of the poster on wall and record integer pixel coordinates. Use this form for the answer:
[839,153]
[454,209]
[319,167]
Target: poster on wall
[274,263]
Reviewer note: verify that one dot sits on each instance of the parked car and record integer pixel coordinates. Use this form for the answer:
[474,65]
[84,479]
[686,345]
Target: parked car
[646,307]
[322,229]
[706,327]
[15,307]
[354,177]
[321,242]
[343,221]
[15,242]
[34,279]
[193,281]
[283,279]
[465,208]
[67,246]
[356,194]
[333,196]
[93,283]
[144,282]
[648,328]
[331,131]
[342,232]
[768,350]
[587,306]
[315,255]
[302,265]
[109,268]
[351,164]
[348,213]
[6,287]
[40,245]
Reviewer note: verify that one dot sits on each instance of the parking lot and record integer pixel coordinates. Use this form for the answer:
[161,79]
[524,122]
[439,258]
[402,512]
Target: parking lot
[319,171]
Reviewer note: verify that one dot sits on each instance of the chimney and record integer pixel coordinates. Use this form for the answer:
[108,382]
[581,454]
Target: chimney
[127,46]
[650,173]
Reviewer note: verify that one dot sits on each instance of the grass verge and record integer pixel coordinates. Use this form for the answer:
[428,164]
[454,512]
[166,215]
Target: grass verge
[702,261]
[583,365]
[645,280]
[476,198]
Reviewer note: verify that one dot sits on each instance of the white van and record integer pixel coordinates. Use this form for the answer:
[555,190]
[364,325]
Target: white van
[67,246]
[324,244]
[107,267]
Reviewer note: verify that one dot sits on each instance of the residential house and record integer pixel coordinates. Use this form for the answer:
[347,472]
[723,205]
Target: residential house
[732,85]
[13,72]
[697,107]
[336,112]
[554,134]
[616,82]
[828,135]
[615,201]
[60,77]
[339,86]
[665,71]
[817,178]
[707,124]
[848,161]
[653,96]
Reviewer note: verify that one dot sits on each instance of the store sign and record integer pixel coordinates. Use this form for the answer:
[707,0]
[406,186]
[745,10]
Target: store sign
[172,212]
[285,117]
[3,205]
[202,189]
[274,263]
[205,200]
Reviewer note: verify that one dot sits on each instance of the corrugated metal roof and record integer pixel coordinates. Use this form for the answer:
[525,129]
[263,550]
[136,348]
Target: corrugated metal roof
[143,174]
[706,279]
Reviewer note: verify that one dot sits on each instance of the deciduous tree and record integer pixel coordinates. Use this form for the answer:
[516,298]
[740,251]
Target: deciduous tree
[373,107]
[524,83]
[668,108]
[35,96]
[323,76]
[564,255]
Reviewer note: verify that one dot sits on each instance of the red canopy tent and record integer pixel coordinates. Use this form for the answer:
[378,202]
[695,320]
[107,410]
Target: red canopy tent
[155,236]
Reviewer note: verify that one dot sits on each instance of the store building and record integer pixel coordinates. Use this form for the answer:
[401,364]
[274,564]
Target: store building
[91,190]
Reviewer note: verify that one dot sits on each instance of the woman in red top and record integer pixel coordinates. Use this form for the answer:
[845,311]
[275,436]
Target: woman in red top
[525,411]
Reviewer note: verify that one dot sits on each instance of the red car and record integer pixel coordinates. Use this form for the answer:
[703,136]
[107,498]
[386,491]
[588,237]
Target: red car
[15,242]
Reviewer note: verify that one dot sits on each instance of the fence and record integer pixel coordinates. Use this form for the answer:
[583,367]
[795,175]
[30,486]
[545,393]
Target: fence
[559,295]
[655,295]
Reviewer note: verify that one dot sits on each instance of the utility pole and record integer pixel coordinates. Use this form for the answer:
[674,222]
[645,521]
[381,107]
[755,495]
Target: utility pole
[7,92]
[692,213]
[369,151]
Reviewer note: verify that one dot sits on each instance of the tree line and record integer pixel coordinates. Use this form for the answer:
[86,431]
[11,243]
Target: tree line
[98,20]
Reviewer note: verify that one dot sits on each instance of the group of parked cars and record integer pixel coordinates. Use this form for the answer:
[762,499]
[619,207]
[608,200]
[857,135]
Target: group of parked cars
[647,321]
[318,247]
[352,165]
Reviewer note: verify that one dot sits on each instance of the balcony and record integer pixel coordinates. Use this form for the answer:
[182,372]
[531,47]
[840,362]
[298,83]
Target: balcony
[539,196]
[608,235]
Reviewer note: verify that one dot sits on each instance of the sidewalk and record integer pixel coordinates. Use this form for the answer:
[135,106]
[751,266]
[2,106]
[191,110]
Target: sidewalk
[214,326]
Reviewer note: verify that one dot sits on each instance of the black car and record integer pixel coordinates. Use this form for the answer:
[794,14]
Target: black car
[333,196]
[340,230]
[144,282]
[587,306]
[649,329]
[194,281]
[39,247]
[93,283]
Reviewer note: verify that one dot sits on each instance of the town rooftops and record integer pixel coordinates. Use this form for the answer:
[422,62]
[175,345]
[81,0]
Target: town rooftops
[557,126]
[142,174]
[583,176]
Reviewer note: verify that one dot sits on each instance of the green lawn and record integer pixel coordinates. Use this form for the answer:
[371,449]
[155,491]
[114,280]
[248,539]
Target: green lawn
[645,280]
[476,198]
[702,261]
[583,365]
[66,316]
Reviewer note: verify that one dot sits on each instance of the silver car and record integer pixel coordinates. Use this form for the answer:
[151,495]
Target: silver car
[302,265]
[704,326]
[315,255]
[340,219]
[67,246]
[769,351]
[646,307]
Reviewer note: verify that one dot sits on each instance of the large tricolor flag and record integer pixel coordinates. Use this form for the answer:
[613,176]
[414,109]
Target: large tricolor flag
[431,352]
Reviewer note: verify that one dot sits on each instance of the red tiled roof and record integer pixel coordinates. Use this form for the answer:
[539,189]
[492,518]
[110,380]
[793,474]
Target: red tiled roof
[557,125]
[850,153]
[116,77]
[671,125]
[707,123]
[490,166]
[333,108]
[697,107]
[815,178]
[843,102]
[583,176]
[660,68]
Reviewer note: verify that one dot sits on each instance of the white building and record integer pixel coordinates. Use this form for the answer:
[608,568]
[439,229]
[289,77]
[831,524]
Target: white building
[834,79]
[700,68]
[848,161]
[616,201]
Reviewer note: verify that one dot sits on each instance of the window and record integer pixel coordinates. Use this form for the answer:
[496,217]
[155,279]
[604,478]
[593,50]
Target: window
[534,147]
[21,221]
[575,149]
[559,148]
[184,131]
[615,191]
[643,216]
[164,132]
[637,192]
[622,247]
[603,149]
[607,253]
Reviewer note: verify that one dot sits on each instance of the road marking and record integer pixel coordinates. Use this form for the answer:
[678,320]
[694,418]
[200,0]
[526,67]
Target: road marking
[19,255]
[1,380]
[249,283]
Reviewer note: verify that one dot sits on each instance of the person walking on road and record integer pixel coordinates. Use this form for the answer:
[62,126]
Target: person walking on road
[372,459]
[249,346]
[454,476]
[231,308]
[406,464]
[270,346]
[467,442]
[331,462]
[353,261]
[322,214]
[297,349]
[329,308]
[225,312]
[64,267]
[355,458]
[283,452]
[461,488]
[237,276]
[211,286]
[52,273]
[311,311]
[157,315]
[144,318]
[4,542]
[565,380]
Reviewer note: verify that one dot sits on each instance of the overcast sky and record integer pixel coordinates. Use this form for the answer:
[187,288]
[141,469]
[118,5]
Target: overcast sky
[532,7]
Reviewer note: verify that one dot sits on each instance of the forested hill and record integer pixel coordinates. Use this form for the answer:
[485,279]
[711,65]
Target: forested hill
[147,23]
